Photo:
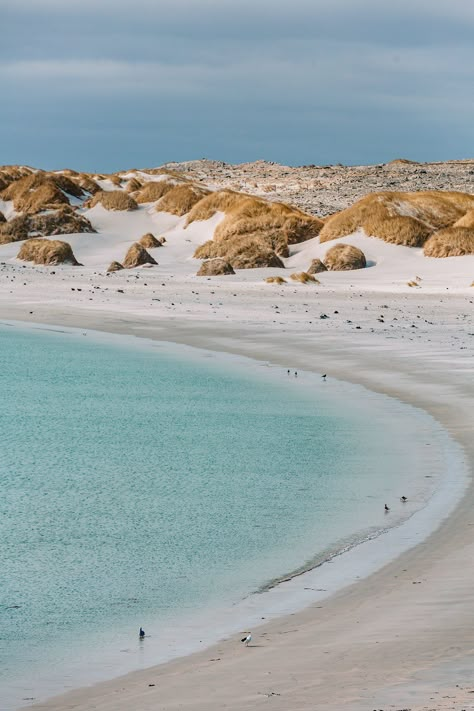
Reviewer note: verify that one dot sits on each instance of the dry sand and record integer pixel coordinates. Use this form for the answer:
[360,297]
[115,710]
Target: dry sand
[400,639]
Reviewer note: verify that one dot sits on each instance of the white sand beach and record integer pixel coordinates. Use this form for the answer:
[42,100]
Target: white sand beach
[398,639]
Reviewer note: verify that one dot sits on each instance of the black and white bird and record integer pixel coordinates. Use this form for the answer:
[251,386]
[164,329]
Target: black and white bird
[386,508]
[403,499]
[324,376]
[247,639]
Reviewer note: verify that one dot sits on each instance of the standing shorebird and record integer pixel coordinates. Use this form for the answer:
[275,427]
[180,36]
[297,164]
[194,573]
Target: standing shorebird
[324,376]
[403,499]
[247,639]
[386,508]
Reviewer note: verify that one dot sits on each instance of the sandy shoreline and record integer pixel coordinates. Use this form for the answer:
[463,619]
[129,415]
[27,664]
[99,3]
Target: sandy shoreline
[385,641]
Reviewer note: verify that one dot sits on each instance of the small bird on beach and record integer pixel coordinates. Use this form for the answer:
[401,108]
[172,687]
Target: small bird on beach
[141,634]
[247,639]
[403,499]
[386,508]
[324,376]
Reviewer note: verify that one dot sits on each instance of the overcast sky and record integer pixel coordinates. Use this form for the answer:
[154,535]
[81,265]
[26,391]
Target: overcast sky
[109,84]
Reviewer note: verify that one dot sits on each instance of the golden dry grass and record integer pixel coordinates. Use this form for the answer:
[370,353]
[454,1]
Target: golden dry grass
[303,277]
[451,242]
[38,191]
[215,267]
[406,231]
[15,230]
[246,253]
[151,192]
[466,220]
[149,241]
[219,201]
[400,218]
[275,280]
[132,185]
[181,199]
[47,251]
[137,256]
[114,200]
[402,161]
[280,224]
[316,267]
[208,250]
[344,257]
[58,222]
[87,183]
[115,267]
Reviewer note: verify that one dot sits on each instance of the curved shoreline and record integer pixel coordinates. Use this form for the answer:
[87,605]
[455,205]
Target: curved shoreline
[459,429]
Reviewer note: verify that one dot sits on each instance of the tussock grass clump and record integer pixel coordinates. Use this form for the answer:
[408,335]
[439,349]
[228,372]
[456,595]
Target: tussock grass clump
[406,231]
[11,173]
[59,222]
[151,192]
[400,218]
[265,228]
[451,242]
[215,267]
[402,161]
[37,192]
[275,280]
[15,230]
[132,185]
[87,183]
[303,277]
[208,250]
[115,267]
[113,200]
[344,257]
[251,253]
[246,253]
[47,251]
[219,201]
[149,241]
[137,256]
[316,267]
[466,220]
[254,215]
[181,199]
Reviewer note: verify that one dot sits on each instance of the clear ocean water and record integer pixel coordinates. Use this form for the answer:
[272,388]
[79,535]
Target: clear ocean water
[142,484]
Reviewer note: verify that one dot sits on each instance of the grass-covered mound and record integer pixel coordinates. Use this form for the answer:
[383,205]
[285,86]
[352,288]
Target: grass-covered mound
[47,224]
[149,241]
[181,199]
[137,256]
[451,242]
[114,200]
[41,191]
[400,218]
[47,251]
[344,257]
[215,267]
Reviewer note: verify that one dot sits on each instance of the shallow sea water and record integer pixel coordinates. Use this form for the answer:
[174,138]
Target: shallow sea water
[142,484]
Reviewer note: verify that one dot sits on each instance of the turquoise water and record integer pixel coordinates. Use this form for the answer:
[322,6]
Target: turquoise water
[141,485]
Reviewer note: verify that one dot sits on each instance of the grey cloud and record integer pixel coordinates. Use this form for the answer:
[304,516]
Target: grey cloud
[290,81]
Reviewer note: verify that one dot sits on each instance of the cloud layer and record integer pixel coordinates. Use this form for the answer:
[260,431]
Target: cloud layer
[102,85]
